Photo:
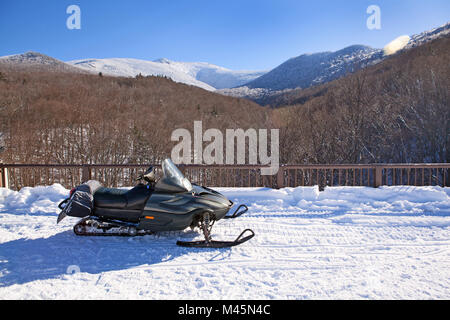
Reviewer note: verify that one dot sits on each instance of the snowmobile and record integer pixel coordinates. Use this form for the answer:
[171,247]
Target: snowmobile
[171,203]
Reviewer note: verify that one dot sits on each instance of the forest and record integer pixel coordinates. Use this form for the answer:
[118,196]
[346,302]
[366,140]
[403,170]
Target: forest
[396,111]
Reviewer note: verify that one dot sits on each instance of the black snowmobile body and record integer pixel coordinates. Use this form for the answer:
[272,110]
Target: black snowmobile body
[171,204]
[156,211]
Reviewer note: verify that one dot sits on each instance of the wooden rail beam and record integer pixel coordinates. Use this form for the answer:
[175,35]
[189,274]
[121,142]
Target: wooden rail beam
[374,175]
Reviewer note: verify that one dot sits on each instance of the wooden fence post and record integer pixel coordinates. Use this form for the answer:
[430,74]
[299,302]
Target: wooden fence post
[86,173]
[378,177]
[4,183]
[280,178]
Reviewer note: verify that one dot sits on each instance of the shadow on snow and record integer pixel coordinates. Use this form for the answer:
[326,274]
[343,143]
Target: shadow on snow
[26,260]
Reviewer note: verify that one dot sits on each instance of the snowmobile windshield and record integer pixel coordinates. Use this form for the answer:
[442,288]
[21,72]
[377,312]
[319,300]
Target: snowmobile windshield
[175,176]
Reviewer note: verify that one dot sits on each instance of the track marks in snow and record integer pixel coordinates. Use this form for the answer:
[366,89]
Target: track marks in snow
[360,253]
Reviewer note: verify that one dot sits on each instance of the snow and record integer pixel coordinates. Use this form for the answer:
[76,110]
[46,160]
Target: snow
[200,74]
[342,243]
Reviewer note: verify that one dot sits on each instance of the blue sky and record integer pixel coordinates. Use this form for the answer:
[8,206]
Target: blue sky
[244,34]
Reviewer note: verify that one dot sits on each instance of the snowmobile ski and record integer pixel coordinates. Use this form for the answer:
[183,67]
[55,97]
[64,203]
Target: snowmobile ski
[206,225]
[218,244]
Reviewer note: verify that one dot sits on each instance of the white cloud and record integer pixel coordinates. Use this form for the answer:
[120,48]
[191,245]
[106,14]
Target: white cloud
[396,45]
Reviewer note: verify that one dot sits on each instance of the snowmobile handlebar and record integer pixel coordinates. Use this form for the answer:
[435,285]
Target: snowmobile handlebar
[148,175]
[60,205]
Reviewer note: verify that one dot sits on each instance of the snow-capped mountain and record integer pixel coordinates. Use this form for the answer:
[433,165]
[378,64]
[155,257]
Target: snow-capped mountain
[309,69]
[200,74]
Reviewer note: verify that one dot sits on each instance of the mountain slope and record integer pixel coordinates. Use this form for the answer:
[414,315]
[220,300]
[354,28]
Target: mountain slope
[200,74]
[124,67]
[427,36]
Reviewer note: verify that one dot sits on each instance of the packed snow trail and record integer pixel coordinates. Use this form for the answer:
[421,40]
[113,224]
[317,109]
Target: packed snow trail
[343,243]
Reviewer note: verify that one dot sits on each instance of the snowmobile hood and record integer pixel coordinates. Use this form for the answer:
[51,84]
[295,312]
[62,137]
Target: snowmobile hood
[211,195]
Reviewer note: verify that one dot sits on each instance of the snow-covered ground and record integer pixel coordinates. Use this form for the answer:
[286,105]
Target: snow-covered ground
[343,243]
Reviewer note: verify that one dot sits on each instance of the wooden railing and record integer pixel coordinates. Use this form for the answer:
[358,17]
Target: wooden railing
[16,176]
[370,175]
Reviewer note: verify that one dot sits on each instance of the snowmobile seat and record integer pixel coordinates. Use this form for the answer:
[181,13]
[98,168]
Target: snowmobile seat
[133,199]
